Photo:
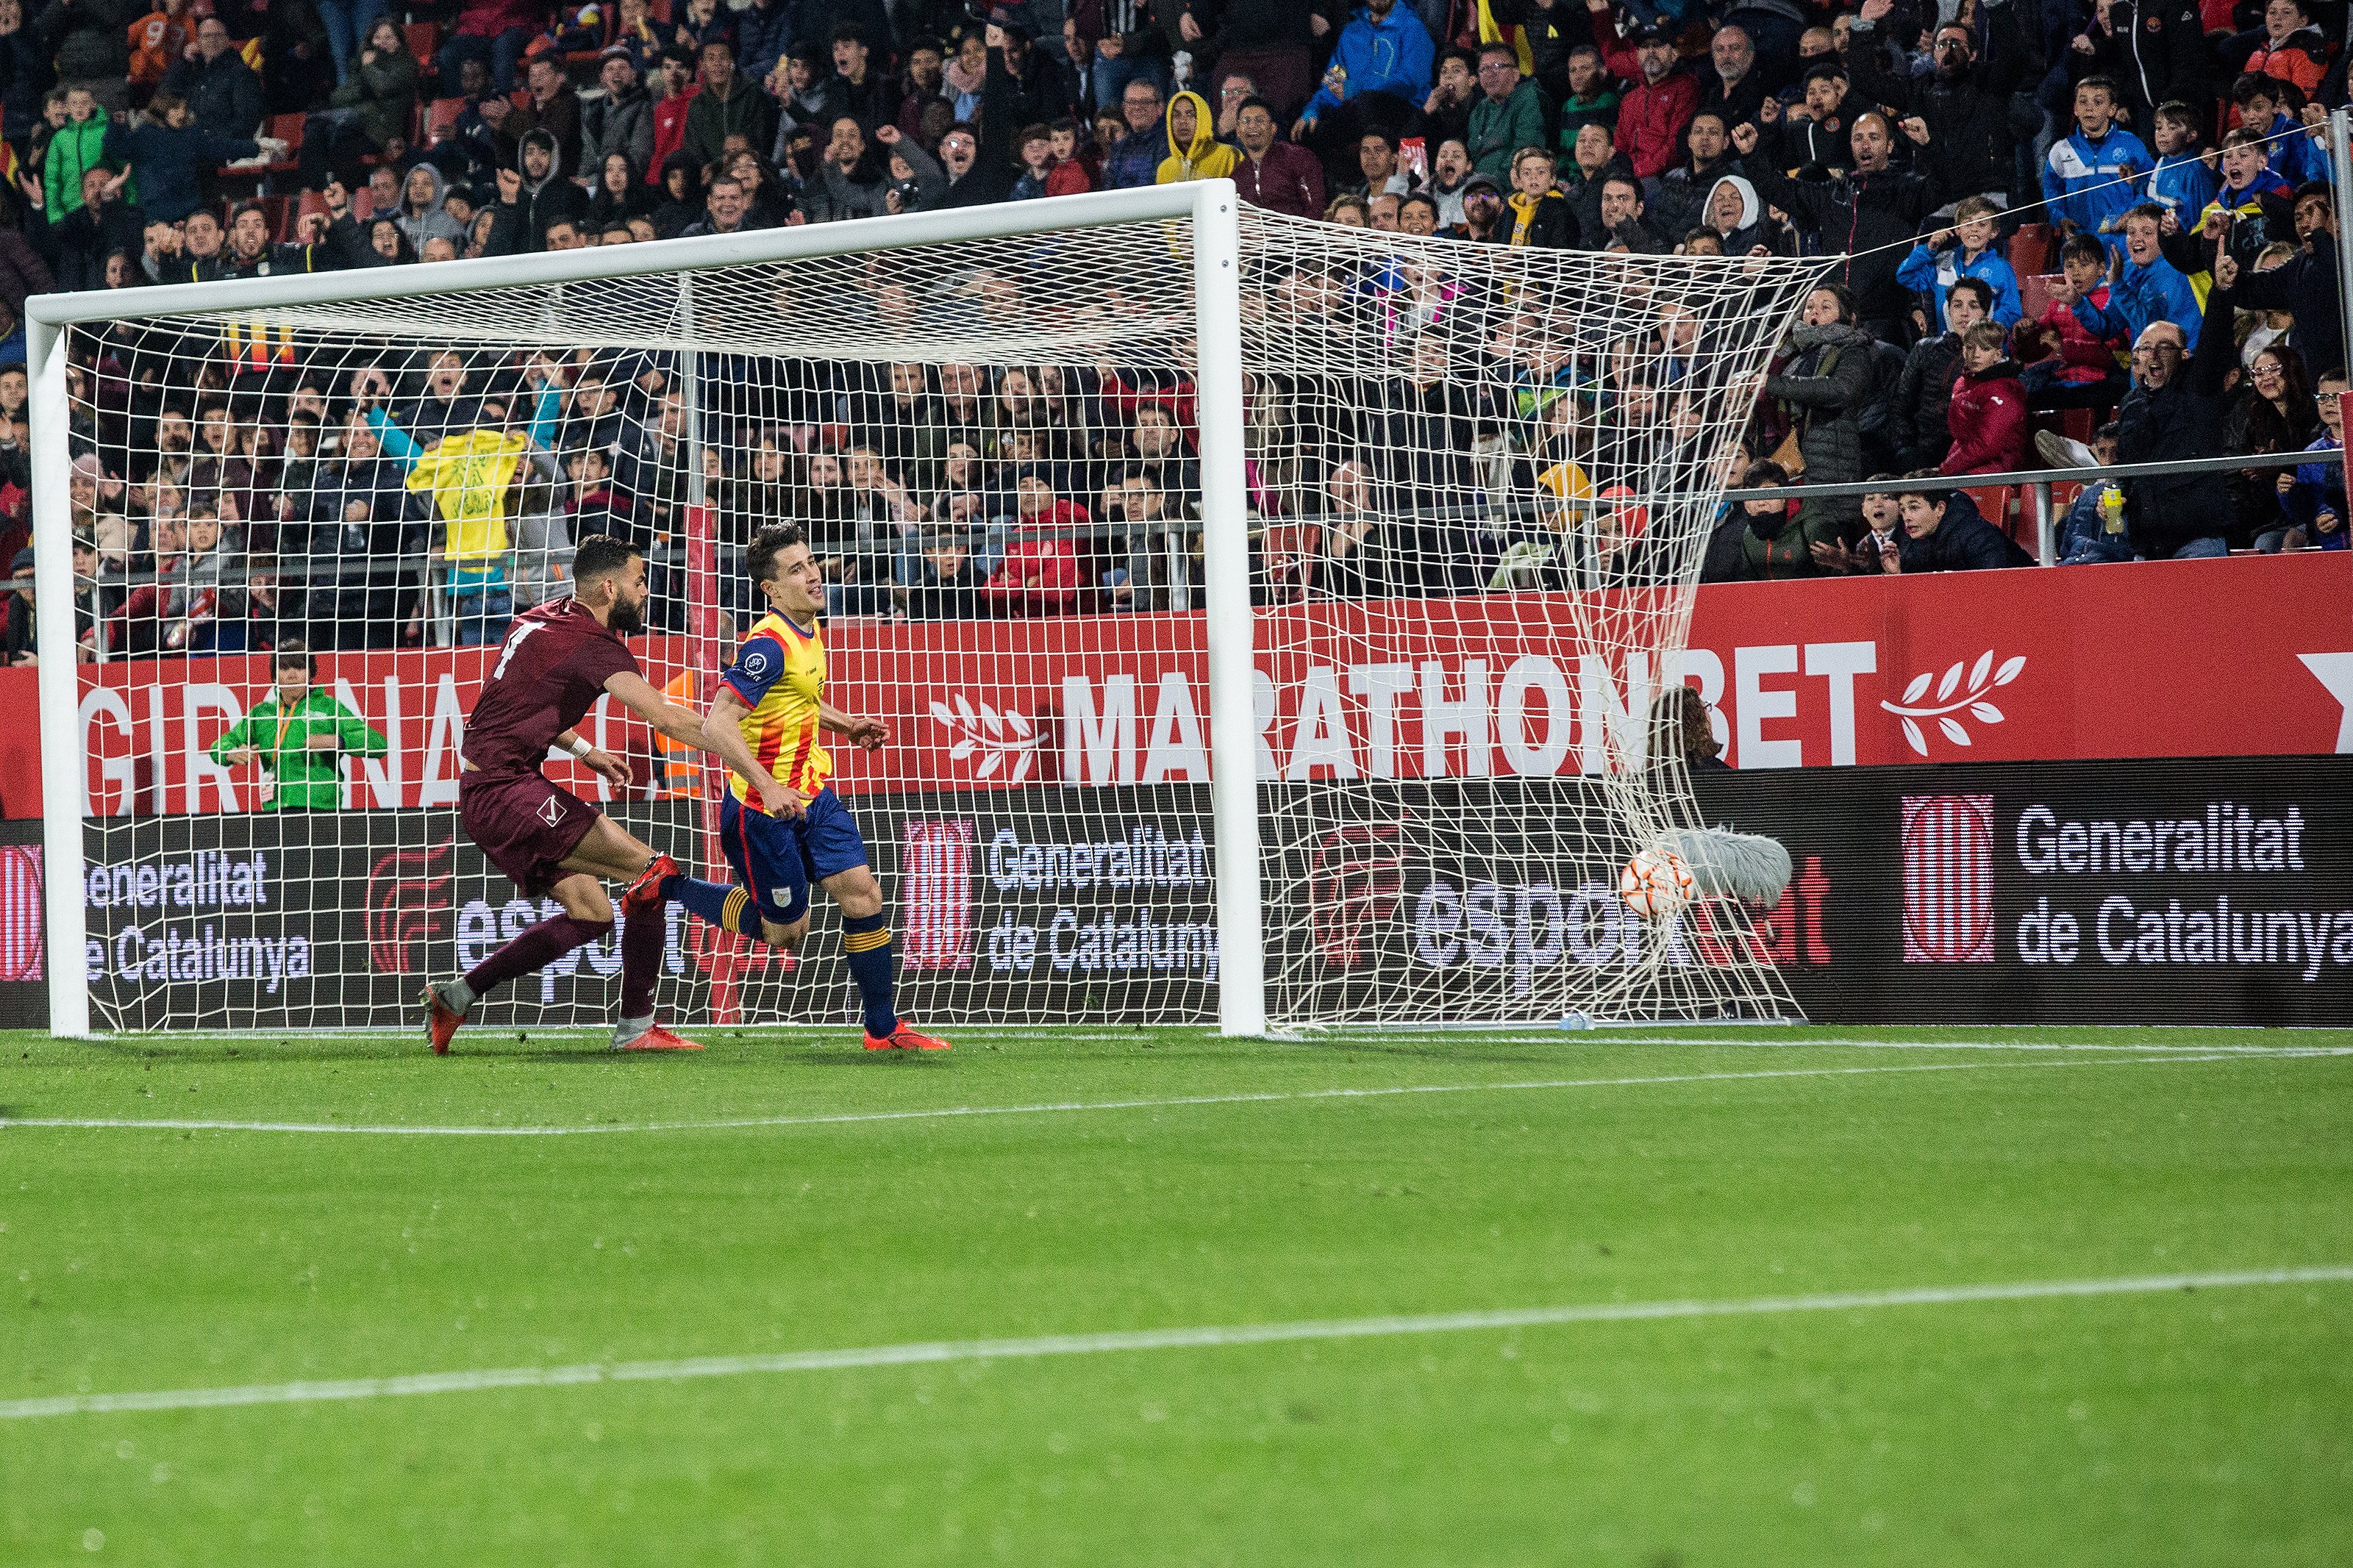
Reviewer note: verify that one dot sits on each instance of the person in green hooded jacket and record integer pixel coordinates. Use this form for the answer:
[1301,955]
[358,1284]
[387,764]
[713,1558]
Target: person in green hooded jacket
[300,735]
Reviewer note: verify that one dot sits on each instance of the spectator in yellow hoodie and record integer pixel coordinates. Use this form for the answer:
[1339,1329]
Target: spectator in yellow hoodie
[1194,151]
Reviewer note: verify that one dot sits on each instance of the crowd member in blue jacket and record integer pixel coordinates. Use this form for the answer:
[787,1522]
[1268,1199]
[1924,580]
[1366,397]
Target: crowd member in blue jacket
[2151,289]
[1964,251]
[2268,107]
[2087,179]
[2183,182]
[2312,495]
[1378,77]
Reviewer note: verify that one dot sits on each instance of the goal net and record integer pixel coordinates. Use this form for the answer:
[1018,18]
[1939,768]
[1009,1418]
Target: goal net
[1445,508]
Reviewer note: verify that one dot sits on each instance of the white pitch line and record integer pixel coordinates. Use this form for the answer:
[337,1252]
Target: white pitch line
[397,1130]
[1125,1340]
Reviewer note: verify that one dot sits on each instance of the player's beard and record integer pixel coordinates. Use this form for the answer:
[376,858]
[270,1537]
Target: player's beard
[626,619]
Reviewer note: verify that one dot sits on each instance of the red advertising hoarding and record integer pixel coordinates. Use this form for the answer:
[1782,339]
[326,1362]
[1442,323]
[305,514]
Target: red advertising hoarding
[2238,658]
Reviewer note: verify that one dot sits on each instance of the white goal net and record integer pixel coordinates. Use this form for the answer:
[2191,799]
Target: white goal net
[1474,483]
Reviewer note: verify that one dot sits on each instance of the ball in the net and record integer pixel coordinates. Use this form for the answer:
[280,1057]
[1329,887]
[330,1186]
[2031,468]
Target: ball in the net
[1655,882]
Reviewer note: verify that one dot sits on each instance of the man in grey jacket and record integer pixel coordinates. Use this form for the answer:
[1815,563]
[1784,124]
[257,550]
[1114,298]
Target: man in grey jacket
[621,121]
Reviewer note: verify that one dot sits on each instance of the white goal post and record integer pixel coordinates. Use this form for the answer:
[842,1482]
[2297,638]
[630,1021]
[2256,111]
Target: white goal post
[1420,769]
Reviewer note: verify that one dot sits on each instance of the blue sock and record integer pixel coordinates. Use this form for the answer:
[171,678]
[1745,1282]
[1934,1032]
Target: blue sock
[866,943]
[712,902]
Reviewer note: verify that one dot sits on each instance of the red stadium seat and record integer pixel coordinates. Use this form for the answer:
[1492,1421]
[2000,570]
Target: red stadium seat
[2077,425]
[2034,248]
[441,119]
[286,128]
[2034,293]
[424,42]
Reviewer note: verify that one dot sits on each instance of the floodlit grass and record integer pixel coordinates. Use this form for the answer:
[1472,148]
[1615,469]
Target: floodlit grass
[2175,1427]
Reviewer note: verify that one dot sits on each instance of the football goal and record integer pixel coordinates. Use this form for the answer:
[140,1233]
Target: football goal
[1278,624]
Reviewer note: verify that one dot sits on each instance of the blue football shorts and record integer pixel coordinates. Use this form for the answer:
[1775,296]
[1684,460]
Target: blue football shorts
[777,858]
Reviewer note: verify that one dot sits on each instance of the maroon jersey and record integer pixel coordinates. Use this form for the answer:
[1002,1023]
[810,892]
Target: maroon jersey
[550,671]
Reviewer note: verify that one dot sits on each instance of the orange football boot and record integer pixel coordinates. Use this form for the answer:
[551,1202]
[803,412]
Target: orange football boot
[905,1037]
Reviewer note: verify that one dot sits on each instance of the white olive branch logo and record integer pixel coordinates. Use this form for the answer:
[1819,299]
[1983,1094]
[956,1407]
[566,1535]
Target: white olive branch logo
[997,737]
[1945,707]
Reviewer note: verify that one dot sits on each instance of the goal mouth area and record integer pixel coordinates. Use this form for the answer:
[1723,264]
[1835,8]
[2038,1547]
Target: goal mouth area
[1521,449]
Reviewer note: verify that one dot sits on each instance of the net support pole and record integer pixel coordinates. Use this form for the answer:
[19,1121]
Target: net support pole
[62,779]
[2340,174]
[1225,572]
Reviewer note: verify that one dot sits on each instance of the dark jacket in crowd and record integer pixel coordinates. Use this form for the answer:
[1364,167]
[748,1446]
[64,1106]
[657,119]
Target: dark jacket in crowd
[1825,386]
[1963,542]
[617,123]
[171,165]
[382,92]
[1917,424]
[1681,204]
[1868,219]
[2305,286]
[223,94]
[2183,418]
[90,38]
[523,223]
[1971,142]
[710,119]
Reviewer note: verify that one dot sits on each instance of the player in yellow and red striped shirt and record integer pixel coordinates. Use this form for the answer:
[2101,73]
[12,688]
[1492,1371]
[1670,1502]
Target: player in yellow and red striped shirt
[775,692]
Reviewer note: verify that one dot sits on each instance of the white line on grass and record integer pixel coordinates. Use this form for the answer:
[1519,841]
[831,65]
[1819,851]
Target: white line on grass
[397,1129]
[1205,1337]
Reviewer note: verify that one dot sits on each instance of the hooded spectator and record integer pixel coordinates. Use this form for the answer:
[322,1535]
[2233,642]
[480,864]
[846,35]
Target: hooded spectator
[536,195]
[1680,204]
[421,215]
[1739,221]
[1193,152]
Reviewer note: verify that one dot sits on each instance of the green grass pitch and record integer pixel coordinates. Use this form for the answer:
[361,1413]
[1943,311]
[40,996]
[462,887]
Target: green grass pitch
[781,1194]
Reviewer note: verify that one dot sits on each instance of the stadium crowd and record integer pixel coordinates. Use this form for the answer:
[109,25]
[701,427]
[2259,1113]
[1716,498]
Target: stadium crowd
[2072,233]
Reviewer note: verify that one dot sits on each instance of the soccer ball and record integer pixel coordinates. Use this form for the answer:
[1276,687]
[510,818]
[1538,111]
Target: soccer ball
[1655,883]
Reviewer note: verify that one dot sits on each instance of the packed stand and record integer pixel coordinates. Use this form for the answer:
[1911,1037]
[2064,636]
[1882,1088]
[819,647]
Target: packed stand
[2072,234]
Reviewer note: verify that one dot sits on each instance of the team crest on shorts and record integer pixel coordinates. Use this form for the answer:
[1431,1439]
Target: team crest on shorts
[550,811]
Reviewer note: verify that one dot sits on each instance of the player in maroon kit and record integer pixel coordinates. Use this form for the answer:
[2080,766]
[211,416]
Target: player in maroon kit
[555,662]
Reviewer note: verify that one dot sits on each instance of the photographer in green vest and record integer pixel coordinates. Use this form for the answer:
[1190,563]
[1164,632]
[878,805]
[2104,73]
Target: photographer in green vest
[300,735]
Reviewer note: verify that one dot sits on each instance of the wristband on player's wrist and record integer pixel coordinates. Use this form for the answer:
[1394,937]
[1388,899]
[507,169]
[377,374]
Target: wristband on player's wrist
[580,747]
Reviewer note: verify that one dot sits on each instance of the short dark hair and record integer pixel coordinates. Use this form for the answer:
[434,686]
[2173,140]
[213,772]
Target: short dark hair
[1979,287]
[1254,101]
[767,545]
[2084,247]
[294,653]
[2185,115]
[601,555]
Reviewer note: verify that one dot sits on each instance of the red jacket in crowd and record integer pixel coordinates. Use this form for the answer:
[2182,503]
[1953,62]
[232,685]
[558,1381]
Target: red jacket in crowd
[488,18]
[1653,116]
[1039,575]
[2086,358]
[1992,432]
[1289,179]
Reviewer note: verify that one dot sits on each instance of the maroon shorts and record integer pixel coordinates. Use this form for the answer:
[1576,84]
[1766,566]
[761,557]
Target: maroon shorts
[526,826]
